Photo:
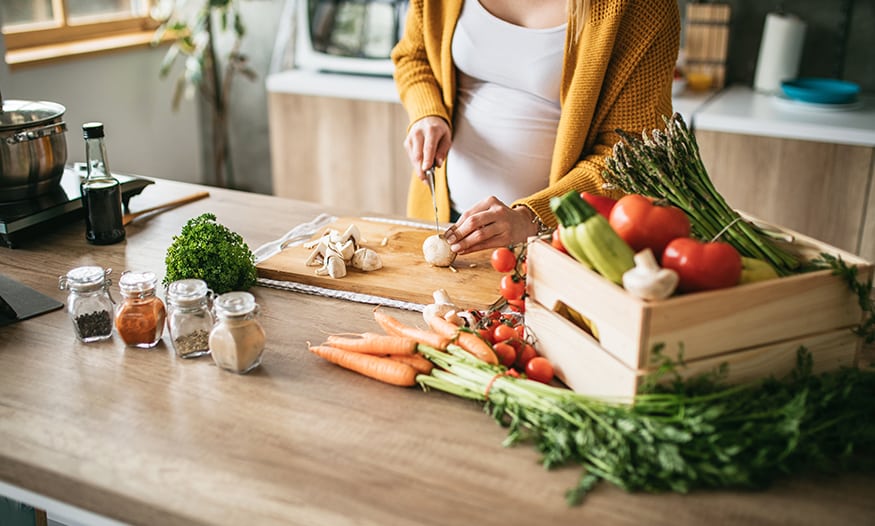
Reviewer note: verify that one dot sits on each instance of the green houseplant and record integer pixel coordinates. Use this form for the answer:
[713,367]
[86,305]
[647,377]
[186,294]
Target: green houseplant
[196,27]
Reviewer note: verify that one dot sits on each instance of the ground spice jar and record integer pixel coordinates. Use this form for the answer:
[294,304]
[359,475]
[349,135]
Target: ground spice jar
[89,304]
[189,320]
[237,339]
[140,317]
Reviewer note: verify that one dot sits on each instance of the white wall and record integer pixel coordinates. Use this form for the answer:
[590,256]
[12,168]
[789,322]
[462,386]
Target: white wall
[122,89]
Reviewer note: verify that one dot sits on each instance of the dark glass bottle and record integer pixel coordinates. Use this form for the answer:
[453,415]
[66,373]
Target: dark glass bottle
[101,193]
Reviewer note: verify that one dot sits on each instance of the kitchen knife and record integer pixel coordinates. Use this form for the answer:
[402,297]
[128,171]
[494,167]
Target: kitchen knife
[429,174]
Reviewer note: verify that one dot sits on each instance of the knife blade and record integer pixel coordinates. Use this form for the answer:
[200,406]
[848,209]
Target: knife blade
[429,174]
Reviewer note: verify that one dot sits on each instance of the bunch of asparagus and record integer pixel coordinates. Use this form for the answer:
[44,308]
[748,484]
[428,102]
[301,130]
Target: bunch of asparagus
[667,165]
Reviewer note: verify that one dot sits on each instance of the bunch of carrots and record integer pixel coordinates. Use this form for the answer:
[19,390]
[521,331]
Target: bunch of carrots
[393,357]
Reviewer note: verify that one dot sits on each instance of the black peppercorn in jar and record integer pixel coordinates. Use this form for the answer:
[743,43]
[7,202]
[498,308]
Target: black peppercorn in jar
[89,304]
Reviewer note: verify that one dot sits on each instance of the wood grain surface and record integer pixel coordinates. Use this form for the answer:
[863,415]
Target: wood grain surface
[144,437]
[472,283]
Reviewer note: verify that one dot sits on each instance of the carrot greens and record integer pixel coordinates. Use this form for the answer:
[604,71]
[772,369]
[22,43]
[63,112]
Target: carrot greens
[684,434]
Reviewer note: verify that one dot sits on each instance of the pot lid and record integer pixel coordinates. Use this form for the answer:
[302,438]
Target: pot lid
[25,113]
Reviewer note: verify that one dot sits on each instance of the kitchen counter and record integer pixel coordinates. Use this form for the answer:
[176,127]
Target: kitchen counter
[103,433]
[382,89]
[740,109]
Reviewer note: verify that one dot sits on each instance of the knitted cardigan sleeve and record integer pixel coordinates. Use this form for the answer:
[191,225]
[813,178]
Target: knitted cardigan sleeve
[618,76]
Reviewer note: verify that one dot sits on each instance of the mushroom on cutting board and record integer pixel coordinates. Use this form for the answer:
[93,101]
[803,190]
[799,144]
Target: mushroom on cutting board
[437,251]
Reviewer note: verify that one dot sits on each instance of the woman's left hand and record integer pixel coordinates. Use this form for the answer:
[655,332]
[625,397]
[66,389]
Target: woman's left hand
[490,224]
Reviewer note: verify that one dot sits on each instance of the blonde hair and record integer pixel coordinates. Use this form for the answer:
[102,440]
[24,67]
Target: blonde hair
[578,10]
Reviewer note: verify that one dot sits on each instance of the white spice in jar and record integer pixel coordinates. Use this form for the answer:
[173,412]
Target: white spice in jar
[237,340]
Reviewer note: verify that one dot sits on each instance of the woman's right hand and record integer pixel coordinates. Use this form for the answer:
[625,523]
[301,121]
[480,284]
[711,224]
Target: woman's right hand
[427,144]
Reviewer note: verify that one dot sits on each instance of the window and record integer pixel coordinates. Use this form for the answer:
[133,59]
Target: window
[32,23]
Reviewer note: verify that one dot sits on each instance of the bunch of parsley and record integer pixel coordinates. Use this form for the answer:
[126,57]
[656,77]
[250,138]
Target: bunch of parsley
[208,250]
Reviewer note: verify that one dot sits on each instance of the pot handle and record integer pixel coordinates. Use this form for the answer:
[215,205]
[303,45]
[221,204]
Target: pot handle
[37,133]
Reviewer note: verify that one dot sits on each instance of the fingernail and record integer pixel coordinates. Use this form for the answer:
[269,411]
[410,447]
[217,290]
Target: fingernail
[456,247]
[425,167]
[451,238]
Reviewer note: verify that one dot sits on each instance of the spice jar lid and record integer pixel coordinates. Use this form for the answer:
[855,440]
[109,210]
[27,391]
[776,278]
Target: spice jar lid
[132,282]
[187,291]
[235,304]
[84,278]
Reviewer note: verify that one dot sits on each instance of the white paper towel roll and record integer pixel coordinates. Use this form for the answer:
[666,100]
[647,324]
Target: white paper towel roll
[780,51]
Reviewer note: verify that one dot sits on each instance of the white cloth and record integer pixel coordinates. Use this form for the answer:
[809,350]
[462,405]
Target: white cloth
[507,109]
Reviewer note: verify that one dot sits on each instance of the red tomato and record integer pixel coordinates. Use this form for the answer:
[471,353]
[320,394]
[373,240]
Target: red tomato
[503,259]
[557,243]
[602,204]
[518,305]
[520,331]
[505,352]
[502,332]
[526,353]
[486,334]
[643,223]
[702,266]
[510,289]
[540,369]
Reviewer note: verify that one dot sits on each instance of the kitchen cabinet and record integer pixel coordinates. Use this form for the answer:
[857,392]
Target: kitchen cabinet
[810,171]
[340,148]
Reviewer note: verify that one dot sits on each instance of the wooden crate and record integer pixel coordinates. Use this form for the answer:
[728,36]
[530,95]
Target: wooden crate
[755,329]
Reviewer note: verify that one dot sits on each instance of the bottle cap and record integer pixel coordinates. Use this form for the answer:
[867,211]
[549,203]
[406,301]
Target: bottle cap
[92,130]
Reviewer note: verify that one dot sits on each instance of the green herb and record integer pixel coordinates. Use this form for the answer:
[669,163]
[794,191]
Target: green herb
[210,251]
[686,435]
[667,165]
[861,289]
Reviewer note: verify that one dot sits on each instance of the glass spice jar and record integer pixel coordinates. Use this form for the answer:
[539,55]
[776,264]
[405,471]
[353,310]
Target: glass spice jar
[139,319]
[189,320]
[89,304]
[237,339]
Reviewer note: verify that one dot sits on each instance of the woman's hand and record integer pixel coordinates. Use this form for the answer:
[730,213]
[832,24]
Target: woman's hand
[490,224]
[427,144]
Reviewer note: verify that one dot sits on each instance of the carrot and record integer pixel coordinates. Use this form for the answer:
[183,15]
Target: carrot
[466,340]
[372,343]
[376,367]
[392,325]
[417,361]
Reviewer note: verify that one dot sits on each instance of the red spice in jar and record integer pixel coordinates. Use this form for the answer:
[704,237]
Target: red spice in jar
[140,318]
[140,322]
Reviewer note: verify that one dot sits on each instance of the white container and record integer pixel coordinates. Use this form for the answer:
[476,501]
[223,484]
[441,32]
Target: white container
[780,52]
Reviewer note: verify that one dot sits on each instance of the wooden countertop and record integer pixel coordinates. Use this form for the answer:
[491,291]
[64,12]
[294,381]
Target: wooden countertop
[144,437]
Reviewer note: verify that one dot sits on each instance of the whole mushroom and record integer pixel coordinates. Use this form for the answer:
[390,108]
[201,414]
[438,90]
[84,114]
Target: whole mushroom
[437,251]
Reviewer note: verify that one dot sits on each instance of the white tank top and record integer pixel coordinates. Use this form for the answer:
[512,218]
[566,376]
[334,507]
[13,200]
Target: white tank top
[507,108]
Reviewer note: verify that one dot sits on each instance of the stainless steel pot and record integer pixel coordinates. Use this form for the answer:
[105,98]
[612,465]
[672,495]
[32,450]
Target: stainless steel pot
[33,148]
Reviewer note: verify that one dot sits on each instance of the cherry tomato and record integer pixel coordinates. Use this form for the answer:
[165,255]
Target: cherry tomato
[502,332]
[520,331]
[510,289]
[540,369]
[644,223]
[518,305]
[503,259]
[525,354]
[486,334]
[557,242]
[505,352]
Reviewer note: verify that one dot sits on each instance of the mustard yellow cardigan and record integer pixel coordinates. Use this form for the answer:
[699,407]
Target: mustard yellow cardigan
[617,74]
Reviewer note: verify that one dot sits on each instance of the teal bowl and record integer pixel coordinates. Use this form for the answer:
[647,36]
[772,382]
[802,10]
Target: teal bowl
[821,90]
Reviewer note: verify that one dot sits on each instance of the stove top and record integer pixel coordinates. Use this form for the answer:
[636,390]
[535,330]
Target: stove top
[25,220]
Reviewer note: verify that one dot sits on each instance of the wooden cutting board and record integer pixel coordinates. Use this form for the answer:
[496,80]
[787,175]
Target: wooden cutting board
[405,275]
